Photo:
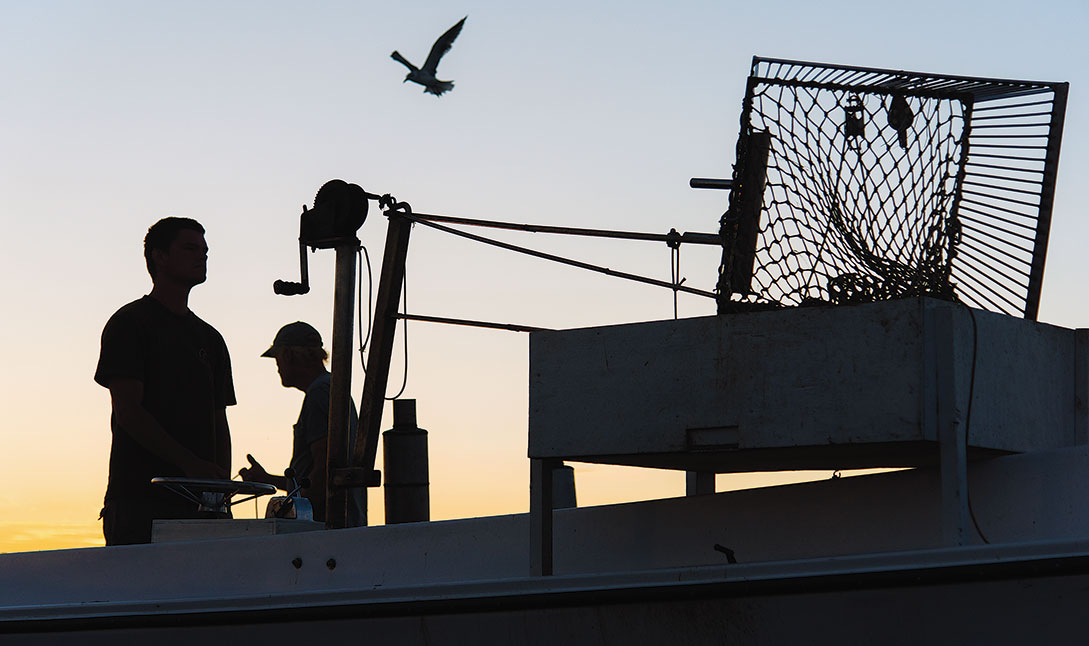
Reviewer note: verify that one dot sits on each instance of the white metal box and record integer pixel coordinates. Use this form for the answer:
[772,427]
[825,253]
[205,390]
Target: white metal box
[818,387]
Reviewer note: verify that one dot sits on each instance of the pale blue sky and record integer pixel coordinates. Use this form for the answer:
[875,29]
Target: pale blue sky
[115,114]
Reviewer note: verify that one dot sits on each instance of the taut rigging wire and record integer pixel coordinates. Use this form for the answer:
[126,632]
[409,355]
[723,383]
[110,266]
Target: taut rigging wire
[547,256]
[673,239]
[692,238]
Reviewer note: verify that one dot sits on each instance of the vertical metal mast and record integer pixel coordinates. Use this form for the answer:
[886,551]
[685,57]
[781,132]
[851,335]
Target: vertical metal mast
[340,387]
[385,326]
[339,210]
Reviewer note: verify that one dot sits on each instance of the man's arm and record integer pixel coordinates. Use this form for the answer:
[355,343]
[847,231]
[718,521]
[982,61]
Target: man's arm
[223,441]
[256,473]
[132,418]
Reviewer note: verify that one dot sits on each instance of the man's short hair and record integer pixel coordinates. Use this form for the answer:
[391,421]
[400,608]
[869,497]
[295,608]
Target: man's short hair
[162,234]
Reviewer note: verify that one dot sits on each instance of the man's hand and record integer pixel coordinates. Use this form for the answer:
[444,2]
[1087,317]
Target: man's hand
[255,472]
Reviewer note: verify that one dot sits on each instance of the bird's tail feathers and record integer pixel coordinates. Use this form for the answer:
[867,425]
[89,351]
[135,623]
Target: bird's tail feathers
[438,87]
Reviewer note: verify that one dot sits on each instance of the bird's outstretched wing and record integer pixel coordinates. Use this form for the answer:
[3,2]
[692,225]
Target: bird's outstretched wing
[441,46]
[401,59]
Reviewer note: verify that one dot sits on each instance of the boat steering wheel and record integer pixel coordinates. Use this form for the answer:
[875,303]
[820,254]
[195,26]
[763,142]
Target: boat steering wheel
[214,495]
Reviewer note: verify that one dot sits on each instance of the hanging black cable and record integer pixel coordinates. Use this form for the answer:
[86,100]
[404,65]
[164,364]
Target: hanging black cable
[404,335]
[674,242]
[359,307]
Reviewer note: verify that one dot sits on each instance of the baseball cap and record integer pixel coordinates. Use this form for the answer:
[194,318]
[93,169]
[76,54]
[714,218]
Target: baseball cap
[297,334]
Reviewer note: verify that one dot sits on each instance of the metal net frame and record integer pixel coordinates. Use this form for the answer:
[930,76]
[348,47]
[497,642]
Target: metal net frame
[859,184]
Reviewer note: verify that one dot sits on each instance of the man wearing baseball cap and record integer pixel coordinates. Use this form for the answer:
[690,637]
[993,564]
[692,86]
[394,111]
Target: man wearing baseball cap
[300,360]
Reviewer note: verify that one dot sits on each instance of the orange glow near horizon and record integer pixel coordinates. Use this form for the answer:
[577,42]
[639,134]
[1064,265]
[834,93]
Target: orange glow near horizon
[73,524]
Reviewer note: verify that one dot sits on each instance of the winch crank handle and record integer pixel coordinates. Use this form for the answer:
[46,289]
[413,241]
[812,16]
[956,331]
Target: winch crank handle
[296,486]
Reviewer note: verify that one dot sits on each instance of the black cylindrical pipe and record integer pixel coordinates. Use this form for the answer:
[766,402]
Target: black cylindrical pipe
[404,451]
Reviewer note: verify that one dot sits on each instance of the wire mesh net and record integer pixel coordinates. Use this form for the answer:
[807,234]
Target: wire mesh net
[850,182]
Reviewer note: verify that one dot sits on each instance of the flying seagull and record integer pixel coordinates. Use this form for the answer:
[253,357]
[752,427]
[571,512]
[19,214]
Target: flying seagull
[425,75]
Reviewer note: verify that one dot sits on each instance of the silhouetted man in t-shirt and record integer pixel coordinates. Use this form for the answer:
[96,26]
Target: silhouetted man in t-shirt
[169,377]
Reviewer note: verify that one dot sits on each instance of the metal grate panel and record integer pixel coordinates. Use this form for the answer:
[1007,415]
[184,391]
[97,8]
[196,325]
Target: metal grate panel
[850,201]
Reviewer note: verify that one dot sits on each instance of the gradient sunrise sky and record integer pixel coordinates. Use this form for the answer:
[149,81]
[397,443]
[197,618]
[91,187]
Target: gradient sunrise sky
[595,114]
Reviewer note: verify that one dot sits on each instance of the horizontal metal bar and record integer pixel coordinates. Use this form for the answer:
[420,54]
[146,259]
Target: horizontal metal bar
[1011,106]
[986,259]
[994,212]
[996,207]
[979,295]
[560,259]
[1038,86]
[1004,188]
[985,282]
[1046,124]
[687,237]
[452,321]
[707,182]
[977,139]
[995,216]
[874,88]
[1034,182]
[1014,94]
[999,290]
[973,154]
[994,228]
[978,241]
[970,252]
[1019,115]
[1008,200]
[1035,171]
[1006,146]
[840,76]
[950,84]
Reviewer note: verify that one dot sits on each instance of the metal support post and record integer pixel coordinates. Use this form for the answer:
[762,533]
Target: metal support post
[382,335]
[340,389]
[698,483]
[1081,386]
[952,443]
[540,515]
